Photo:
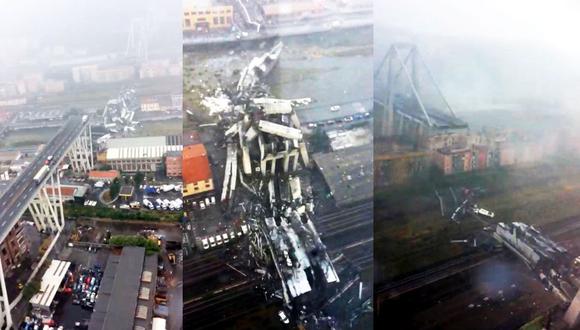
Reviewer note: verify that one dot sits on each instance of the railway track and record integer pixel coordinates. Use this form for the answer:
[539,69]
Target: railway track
[221,306]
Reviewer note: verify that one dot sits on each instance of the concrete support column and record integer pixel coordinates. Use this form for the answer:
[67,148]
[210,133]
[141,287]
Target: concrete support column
[273,167]
[48,211]
[294,161]
[81,152]
[286,162]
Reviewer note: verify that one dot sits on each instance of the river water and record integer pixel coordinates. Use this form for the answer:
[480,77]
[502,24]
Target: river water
[332,69]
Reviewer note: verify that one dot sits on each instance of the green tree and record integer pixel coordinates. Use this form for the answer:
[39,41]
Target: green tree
[114,188]
[138,178]
[30,289]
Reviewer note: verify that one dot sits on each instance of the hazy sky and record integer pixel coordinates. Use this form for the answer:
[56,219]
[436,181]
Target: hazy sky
[491,51]
[554,24]
[93,24]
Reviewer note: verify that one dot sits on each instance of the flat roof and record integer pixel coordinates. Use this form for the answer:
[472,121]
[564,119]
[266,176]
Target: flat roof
[144,152]
[348,173]
[117,302]
[126,191]
[50,283]
[136,142]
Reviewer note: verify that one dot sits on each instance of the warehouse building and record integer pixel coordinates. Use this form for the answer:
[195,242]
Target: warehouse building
[348,174]
[140,154]
[126,295]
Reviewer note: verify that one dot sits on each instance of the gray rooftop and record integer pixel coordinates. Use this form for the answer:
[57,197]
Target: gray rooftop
[348,173]
[117,302]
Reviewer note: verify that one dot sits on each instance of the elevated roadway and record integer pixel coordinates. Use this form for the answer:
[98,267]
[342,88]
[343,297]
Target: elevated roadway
[16,198]
[73,141]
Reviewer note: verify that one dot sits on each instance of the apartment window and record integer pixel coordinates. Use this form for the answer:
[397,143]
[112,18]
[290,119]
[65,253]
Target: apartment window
[215,20]
[222,21]
[188,22]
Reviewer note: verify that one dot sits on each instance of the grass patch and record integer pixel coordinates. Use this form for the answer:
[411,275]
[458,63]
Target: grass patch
[150,245]
[75,210]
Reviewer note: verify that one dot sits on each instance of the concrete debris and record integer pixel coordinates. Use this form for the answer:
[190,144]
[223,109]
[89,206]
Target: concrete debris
[263,136]
[119,113]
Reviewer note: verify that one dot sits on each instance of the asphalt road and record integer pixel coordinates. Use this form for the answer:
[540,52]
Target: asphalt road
[17,196]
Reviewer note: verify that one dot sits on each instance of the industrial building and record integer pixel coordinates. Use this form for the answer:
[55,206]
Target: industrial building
[197,175]
[53,281]
[126,295]
[348,174]
[94,73]
[141,154]
[206,18]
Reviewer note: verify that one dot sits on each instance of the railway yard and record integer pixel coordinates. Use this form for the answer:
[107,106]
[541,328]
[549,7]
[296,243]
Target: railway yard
[468,284]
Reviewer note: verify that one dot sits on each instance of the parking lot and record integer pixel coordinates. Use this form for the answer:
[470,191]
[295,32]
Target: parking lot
[76,306]
[210,225]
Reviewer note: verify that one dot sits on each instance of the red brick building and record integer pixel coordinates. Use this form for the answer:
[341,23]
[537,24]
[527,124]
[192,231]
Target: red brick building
[173,164]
